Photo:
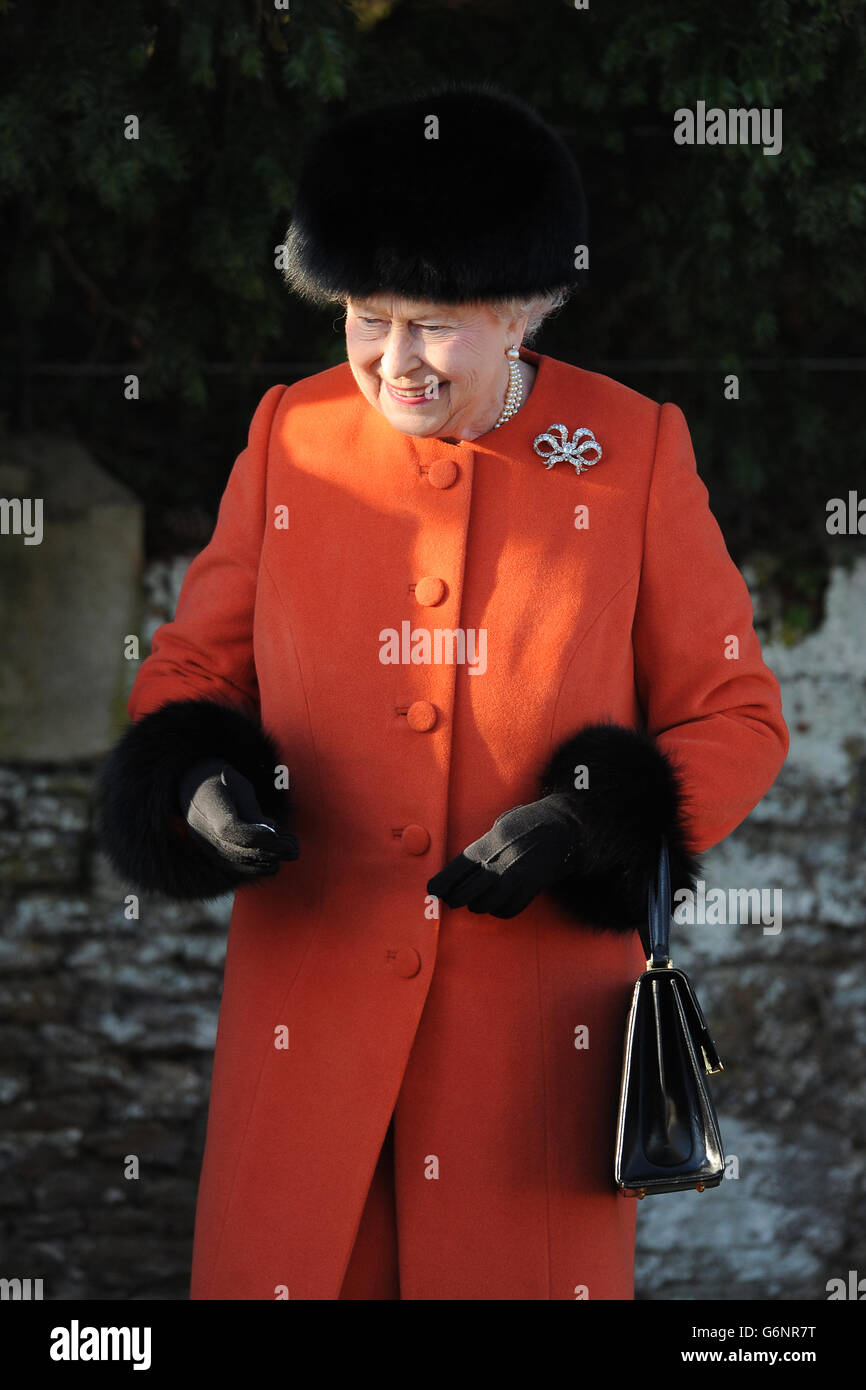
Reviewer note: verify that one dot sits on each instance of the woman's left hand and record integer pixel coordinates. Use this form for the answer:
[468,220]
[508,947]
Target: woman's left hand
[526,850]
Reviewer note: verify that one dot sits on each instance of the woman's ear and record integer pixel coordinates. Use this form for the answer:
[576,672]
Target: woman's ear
[512,322]
[515,329]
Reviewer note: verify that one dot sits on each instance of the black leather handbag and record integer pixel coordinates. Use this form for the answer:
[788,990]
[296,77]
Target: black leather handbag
[667,1136]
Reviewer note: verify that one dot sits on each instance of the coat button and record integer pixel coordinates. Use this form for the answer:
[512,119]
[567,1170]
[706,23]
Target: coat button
[430,591]
[442,473]
[414,839]
[407,962]
[421,716]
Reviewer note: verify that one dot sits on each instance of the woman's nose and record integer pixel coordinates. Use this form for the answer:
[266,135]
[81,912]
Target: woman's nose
[400,358]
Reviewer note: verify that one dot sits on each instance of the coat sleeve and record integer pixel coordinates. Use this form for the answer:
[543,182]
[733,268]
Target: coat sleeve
[714,738]
[195,697]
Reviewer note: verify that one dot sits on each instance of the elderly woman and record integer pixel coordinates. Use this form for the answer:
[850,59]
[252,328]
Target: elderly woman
[466,643]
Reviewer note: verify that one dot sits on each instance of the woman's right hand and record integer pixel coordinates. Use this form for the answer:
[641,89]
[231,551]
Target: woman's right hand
[220,807]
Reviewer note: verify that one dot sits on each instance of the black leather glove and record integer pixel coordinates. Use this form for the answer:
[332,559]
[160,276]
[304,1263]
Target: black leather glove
[221,808]
[526,850]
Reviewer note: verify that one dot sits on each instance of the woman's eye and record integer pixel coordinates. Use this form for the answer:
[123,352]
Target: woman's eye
[425,327]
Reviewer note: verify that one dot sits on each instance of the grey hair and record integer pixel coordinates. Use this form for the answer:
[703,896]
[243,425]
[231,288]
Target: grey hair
[538,307]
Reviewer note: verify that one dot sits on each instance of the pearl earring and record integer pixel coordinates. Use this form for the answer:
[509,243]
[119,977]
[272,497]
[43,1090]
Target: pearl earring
[514,394]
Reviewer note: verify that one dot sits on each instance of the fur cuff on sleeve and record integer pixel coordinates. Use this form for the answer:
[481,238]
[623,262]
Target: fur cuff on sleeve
[141,826]
[633,797]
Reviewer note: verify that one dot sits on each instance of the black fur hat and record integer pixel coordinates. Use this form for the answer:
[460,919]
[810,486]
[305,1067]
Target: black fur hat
[483,202]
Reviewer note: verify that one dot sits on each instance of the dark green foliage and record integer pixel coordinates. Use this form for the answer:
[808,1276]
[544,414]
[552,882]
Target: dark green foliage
[156,255]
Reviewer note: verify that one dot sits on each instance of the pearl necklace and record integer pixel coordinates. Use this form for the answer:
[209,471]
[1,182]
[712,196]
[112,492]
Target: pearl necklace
[514,394]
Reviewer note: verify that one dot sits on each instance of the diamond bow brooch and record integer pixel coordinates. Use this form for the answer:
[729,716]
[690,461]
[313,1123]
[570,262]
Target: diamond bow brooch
[573,450]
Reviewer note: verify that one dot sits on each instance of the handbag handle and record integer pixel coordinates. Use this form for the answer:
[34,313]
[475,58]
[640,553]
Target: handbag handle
[659,913]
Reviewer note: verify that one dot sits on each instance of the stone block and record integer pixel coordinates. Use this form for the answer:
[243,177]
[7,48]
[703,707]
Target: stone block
[67,601]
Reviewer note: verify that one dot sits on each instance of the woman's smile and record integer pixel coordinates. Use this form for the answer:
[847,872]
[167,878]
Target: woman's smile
[412,395]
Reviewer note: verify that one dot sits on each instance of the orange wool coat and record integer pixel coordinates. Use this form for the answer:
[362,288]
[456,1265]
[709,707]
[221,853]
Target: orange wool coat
[463,1025]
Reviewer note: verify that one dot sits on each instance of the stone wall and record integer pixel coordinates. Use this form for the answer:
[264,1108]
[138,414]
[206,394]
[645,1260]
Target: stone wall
[787,1008]
[107,1025]
[106,1038]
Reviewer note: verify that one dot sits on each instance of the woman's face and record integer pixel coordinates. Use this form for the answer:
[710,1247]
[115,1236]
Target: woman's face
[431,369]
